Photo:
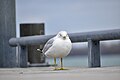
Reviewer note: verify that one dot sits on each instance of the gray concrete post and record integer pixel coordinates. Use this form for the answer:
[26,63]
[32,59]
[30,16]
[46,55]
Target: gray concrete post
[7,30]
[23,56]
[93,53]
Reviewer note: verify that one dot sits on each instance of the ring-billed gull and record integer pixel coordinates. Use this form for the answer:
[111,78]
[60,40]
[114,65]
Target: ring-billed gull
[58,47]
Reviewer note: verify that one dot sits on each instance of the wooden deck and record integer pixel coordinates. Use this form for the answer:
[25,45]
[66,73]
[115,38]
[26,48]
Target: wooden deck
[47,73]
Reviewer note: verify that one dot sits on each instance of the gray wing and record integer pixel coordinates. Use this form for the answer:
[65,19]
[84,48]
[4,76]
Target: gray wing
[48,45]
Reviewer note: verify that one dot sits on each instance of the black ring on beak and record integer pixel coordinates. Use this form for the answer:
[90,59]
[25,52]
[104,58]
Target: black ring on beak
[64,37]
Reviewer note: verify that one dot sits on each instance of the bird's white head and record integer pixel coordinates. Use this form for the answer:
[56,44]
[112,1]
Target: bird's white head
[63,35]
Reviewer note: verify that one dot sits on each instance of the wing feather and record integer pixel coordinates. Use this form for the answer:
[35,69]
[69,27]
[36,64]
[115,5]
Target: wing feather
[48,45]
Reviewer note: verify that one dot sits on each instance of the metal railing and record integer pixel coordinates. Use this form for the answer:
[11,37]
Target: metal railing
[93,39]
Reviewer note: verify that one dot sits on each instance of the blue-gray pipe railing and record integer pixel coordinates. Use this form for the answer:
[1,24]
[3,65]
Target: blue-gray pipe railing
[93,39]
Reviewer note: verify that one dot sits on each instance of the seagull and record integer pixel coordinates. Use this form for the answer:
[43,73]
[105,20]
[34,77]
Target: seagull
[58,47]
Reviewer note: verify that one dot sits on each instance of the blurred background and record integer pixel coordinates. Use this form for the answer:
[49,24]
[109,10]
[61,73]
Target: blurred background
[75,16]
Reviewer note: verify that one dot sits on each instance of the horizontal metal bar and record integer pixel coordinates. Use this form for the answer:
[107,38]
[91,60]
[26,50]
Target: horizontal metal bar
[75,37]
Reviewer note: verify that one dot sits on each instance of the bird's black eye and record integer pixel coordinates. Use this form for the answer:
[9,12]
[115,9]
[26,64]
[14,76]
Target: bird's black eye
[60,34]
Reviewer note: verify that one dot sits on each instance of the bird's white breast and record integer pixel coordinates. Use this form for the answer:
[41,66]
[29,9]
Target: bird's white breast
[60,48]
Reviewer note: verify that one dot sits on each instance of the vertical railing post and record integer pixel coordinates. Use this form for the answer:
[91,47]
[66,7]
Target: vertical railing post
[7,30]
[23,56]
[93,53]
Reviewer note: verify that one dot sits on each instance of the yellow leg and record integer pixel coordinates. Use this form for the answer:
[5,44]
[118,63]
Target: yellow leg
[55,63]
[61,64]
